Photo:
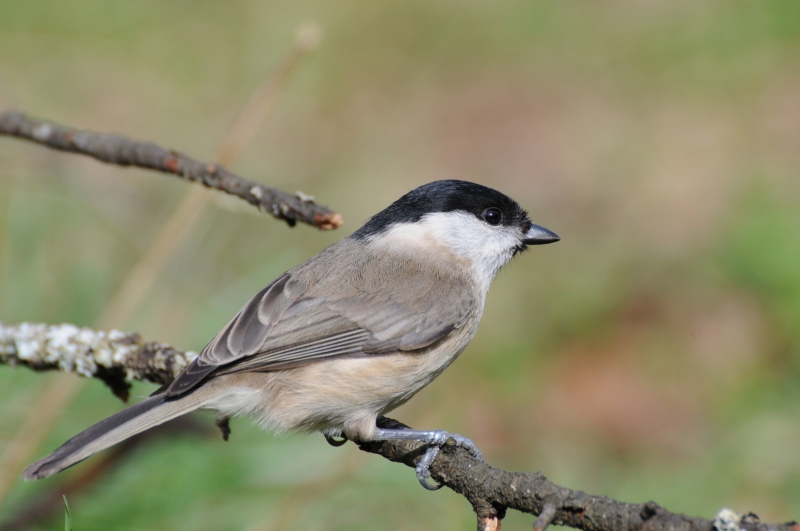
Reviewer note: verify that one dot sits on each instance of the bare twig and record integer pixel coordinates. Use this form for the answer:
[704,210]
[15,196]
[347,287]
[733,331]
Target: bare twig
[62,389]
[490,490]
[141,277]
[122,151]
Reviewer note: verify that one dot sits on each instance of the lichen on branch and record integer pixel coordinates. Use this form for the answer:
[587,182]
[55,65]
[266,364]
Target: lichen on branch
[113,357]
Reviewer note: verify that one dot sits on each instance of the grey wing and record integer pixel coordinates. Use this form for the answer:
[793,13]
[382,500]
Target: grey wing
[243,336]
[286,325]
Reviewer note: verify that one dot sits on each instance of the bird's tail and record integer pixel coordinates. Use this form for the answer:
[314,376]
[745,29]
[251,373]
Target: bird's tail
[127,423]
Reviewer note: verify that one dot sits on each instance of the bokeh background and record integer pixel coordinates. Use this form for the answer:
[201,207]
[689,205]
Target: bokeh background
[654,353]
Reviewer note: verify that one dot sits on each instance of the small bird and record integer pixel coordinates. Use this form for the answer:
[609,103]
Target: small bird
[350,334]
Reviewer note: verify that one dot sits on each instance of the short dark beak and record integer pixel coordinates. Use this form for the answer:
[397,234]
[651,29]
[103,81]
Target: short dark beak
[537,235]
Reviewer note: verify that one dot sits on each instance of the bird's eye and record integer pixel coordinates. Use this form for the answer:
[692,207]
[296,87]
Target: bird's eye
[492,216]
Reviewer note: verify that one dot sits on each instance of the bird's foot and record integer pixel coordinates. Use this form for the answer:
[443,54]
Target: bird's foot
[435,439]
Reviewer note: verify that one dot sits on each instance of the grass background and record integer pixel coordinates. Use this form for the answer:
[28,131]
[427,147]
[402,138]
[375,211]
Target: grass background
[654,353]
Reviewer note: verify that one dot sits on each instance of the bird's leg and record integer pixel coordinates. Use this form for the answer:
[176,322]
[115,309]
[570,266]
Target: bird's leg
[223,423]
[435,439]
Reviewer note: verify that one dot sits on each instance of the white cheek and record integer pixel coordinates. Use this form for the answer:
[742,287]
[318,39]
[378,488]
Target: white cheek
[486,248]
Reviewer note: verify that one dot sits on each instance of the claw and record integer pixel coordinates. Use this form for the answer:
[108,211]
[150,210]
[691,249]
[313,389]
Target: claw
[423,468]
[435,439]
[430,486]
[334,442]
[467,445]
[439,438]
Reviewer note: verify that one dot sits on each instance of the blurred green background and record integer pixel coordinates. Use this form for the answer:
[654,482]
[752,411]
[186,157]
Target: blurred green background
[654,353]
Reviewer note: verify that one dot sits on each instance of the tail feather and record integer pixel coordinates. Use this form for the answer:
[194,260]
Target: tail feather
[108,432]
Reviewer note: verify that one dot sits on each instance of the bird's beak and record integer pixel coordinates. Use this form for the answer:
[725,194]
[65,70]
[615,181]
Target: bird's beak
[537,235]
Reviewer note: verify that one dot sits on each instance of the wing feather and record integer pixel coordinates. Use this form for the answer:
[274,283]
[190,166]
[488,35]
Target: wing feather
[295,321]
[348,343]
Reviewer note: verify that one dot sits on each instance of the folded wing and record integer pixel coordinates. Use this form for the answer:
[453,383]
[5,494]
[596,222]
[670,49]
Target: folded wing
[289,323]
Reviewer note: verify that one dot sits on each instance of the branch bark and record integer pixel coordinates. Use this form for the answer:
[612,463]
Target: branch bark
[113,357]
[491,491]
[123,151]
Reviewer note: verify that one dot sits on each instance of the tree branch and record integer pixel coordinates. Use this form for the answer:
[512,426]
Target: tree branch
[122,151]
[113,357]
[490,490]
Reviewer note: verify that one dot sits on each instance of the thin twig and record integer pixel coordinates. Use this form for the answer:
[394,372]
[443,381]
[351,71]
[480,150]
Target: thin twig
[123,151]
[62,389]
[142,276]
[490,490]
[545,518]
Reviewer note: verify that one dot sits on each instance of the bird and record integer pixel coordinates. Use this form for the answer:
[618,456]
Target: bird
[349,335]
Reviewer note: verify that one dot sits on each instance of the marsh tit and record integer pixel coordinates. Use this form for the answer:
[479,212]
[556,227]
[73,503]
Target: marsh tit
[350,334]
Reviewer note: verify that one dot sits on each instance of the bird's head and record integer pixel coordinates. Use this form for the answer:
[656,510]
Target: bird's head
[447,219]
